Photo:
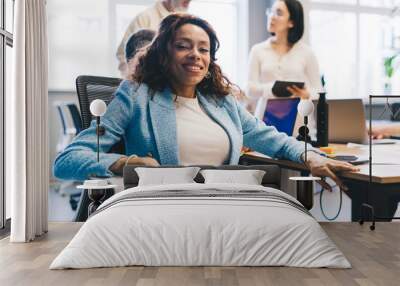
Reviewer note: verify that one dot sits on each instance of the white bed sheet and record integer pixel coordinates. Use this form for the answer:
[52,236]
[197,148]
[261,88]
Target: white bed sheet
[200,231]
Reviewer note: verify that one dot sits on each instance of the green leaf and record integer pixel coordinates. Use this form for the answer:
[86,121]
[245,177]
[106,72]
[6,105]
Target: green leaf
[389,70]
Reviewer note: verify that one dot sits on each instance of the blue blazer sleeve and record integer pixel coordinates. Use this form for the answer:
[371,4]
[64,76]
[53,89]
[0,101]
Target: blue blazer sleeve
[79,160]
[267,140]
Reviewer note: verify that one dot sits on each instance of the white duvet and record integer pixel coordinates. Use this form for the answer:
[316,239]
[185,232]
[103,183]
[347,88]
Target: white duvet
[183,231]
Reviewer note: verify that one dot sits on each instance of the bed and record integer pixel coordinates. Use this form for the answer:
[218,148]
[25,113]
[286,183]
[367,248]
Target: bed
[200,224]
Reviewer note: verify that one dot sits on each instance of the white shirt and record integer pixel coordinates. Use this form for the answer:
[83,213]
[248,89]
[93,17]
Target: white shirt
[201,141]
[148,19]
[266,66]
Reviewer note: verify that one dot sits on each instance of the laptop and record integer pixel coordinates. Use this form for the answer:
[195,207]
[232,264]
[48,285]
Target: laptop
[347,121]
[281,113]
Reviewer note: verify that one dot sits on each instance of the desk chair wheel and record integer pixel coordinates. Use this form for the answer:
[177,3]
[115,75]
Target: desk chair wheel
[361,222]
[372,227]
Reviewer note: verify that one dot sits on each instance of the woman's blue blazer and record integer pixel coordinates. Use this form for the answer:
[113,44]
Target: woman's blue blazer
[147,123]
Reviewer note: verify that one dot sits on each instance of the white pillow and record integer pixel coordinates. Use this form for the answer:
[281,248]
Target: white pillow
[248,177]
[165,176]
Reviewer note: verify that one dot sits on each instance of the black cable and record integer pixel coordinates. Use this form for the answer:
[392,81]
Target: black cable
[322,209]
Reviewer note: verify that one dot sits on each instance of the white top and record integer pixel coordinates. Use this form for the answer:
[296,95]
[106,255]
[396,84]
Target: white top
[200,139]
[266,66]
[150,18]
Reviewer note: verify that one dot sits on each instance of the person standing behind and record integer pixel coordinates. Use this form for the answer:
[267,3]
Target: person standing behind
[148,19]
[135,47]
[282,57]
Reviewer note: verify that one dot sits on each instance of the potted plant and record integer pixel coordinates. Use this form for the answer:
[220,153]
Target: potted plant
[391,64]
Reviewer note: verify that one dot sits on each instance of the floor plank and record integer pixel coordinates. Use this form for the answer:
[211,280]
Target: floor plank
[375,257]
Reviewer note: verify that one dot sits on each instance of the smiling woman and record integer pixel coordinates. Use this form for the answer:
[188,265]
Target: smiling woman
[191,62]
[190,58]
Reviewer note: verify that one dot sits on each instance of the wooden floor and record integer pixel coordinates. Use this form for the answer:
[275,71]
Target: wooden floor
[375,257]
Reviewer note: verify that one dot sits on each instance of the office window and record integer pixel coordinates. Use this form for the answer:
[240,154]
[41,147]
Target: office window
[8,70]
[124,16]
[380,3]
[346,2]
[6,42]
[226,29]
[352,41]
[329,50]
[9,11]
[79,41]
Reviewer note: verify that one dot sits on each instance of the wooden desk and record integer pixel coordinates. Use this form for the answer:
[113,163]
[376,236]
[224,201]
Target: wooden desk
[384,193]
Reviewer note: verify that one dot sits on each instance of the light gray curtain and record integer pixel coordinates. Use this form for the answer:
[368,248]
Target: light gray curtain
[27,160]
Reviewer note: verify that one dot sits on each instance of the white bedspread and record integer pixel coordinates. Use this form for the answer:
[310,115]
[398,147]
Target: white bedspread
[181,231]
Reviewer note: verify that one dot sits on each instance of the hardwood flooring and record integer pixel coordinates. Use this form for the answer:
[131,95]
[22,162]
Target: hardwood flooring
[374,255]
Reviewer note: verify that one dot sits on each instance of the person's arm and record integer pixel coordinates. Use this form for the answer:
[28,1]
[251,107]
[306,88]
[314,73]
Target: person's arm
[322,167]
[118,166]
[79,160]
[139,22]
[267,140]
[385,131]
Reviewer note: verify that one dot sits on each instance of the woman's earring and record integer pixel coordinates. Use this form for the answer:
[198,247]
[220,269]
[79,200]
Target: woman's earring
[208,75]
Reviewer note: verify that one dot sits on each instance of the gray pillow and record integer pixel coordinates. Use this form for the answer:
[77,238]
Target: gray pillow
[166,176]
[247,177]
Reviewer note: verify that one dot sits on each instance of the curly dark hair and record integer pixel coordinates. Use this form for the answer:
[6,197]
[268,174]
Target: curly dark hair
[138,40]
[153,67]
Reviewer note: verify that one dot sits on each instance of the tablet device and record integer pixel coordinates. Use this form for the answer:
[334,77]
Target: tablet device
[279,88]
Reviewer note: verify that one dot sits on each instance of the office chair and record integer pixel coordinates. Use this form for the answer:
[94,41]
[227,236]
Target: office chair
[395,112]
[71,125]
[88,89]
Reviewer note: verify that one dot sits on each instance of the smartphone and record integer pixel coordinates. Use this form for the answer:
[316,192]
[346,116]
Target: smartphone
[279,88]
[350,159]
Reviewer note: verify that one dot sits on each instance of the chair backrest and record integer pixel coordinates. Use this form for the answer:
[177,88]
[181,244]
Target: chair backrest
[69,116]
[90,88]
[76,118]
[395,111]
[70,122]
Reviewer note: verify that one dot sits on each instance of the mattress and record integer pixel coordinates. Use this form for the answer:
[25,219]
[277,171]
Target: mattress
[201,225]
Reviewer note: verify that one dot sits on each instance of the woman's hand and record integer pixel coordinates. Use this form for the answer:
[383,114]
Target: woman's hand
[299,92]
[143,161]
[320,166]
[119,165]
[384,131]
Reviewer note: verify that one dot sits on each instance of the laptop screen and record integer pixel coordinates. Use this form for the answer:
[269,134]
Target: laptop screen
[282,114]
